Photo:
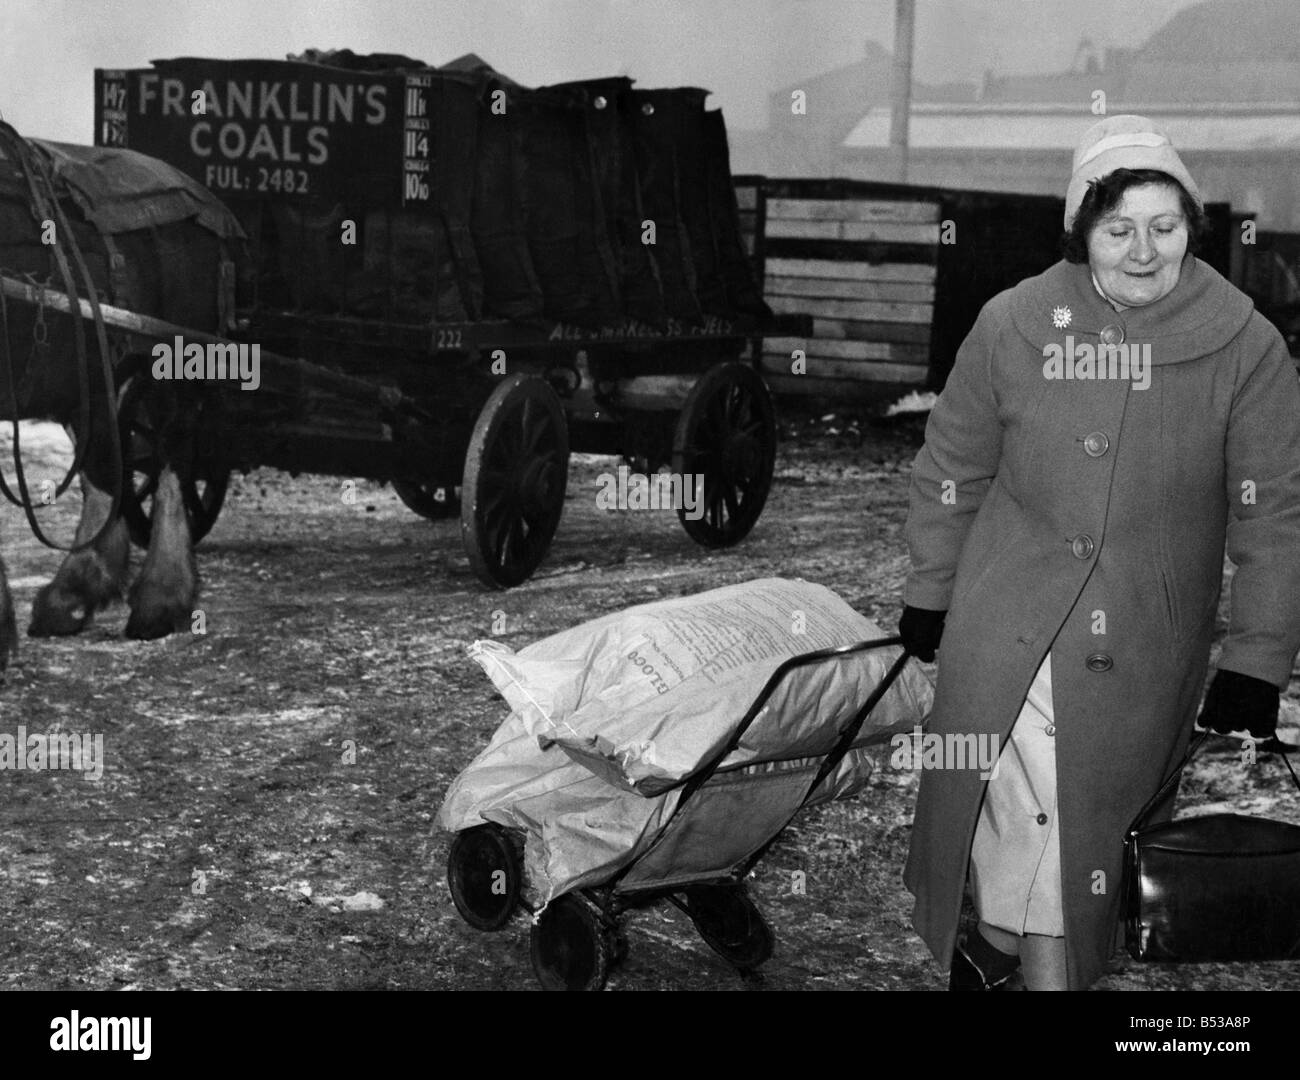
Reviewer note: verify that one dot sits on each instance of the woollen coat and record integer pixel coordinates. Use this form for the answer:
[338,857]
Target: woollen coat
[1089,516]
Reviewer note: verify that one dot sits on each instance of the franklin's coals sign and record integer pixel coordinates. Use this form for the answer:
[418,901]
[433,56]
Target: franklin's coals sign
[249,128]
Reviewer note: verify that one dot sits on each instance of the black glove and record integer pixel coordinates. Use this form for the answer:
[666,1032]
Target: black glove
[1237,702]
[921,630]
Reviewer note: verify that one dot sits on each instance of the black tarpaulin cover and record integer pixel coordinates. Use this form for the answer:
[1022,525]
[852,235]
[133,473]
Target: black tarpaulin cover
[120,191]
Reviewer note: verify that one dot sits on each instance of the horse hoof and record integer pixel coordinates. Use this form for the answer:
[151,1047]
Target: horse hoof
[150,625]
[8,637]
[57,613]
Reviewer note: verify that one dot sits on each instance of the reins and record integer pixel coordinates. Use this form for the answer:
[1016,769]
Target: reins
[45,206]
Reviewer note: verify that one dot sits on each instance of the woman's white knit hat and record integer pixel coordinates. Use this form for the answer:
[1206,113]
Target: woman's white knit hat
[1123,142]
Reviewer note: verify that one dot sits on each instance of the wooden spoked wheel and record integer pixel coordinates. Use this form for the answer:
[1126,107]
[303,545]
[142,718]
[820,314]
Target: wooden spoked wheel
[430,499]
[516,473]
[726,433]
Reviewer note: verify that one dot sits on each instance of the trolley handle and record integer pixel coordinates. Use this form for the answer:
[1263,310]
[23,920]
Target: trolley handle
[835,756]
[705,772]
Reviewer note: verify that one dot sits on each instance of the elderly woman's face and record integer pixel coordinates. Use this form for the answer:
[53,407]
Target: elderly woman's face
[1136,251]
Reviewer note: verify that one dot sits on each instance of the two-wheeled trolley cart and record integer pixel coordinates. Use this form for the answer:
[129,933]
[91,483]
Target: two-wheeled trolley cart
[698,861]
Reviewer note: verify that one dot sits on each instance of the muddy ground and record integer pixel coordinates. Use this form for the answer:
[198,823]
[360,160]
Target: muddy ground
[233,841]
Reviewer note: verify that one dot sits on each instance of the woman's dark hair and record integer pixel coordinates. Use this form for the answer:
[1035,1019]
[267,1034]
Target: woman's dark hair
[1105,194]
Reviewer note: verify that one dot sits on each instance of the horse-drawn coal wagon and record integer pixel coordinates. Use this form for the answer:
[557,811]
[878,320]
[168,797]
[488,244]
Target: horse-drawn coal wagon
[453,281]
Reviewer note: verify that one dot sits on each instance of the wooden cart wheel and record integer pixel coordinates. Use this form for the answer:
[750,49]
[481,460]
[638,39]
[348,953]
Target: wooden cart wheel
[726,432]
[485,875]
[431,500]
[203,481]
[569,945]
[730,924]
[516,472]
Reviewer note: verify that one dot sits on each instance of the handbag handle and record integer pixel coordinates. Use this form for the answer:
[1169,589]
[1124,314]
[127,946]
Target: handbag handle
[1139,822]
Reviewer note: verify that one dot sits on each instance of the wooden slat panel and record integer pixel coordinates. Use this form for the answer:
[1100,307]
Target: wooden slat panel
[864,268]
[878,310]
[812,230]
[906,291]
[857,271]
[891,233]
[867,251]
[845,349]
[901,212]
[844,188]
[879,232]
[871,331]
[822,371]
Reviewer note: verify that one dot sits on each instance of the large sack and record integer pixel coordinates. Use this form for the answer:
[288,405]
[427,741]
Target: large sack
[608,717]
[655,115]
[510,286]
[564,215]
[611,126]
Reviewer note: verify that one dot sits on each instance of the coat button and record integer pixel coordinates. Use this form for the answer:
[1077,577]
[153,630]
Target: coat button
[1050,729]
[1099,662]
[1082,546]
[1096,444]
[1112,334]
[1041,819]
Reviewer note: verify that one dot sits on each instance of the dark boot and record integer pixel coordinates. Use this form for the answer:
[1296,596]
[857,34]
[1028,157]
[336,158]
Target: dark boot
[977,965]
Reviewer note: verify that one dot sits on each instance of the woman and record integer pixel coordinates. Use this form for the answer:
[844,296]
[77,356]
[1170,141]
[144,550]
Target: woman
[1106,427]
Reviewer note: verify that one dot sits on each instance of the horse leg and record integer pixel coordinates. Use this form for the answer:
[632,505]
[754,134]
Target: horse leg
[163,597]
[89,579]
[8,626]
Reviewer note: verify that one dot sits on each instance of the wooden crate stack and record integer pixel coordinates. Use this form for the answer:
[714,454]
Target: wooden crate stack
[863,267]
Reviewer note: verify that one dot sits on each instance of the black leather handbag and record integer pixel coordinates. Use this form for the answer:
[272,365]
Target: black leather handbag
[1222,887]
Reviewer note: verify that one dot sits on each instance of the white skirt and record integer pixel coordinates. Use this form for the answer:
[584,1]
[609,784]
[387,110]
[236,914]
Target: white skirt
[1015,867]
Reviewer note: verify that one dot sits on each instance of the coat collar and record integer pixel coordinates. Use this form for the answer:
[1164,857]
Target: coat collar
[1201,315]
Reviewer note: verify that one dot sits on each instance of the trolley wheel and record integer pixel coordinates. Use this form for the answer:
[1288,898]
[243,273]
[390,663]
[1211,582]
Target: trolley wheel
[730,924]
[570,946]
[203,479]
[726,432]
[485,873]
[429,499]
[516,472]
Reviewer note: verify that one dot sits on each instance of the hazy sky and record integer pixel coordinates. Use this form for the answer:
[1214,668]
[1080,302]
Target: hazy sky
[740,49]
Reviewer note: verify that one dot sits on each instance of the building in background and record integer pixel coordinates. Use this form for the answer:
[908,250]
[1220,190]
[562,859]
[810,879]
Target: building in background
[1222,78]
